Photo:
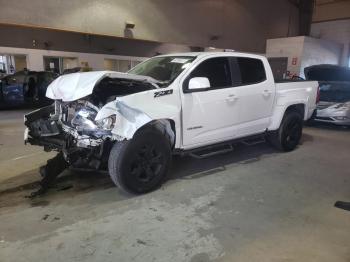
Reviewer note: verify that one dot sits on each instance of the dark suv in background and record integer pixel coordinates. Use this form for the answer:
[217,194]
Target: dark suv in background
[25,88]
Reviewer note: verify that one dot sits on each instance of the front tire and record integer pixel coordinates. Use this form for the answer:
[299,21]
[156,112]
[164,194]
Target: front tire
[288,136]
[140,165]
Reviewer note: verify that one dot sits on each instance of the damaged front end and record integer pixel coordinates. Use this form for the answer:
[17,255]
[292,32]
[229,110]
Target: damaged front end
[81,124]
[70,128]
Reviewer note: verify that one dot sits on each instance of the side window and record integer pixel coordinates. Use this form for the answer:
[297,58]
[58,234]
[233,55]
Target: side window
[217,70]
[252,70]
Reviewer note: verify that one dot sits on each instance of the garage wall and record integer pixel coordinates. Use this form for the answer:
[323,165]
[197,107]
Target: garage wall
[304,51]
[319,51]
[338,31]
[327,10]
[291,47]
[237,24]
[37,38]
[35,57]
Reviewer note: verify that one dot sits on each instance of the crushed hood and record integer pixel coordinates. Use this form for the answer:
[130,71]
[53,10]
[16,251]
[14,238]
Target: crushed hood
[78,85]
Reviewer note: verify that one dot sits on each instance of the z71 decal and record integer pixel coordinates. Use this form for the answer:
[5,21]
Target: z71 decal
[163,93]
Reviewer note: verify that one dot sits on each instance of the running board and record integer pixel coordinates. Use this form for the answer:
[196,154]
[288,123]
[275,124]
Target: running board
[222,147]
[211,151]
[254,141]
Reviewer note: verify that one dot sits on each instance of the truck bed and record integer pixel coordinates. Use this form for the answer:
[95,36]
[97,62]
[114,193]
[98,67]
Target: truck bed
[303,92]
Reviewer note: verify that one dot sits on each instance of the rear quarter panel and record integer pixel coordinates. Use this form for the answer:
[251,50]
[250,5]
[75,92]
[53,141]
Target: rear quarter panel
[293,93]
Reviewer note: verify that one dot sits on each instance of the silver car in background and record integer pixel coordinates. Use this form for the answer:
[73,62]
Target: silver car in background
[334,105]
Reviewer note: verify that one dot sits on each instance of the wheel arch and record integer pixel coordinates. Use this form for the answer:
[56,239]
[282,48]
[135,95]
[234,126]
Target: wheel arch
[298,108]
[166,126]
[280,112]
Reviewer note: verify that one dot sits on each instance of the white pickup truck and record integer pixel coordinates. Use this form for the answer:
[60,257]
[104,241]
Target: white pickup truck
[197,103]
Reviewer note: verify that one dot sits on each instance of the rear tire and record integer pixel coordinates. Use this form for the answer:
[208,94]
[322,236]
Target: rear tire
[288,136]
[140,165]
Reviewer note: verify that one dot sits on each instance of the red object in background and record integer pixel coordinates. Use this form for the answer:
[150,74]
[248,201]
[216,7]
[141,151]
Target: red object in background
[294,61]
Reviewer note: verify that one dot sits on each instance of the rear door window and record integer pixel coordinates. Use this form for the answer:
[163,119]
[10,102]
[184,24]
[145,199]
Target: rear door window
[247,71]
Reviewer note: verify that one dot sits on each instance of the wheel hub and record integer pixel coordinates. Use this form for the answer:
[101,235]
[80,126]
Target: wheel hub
[146,164]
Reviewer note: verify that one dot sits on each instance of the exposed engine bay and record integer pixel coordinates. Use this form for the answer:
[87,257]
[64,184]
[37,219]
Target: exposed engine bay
[84,130]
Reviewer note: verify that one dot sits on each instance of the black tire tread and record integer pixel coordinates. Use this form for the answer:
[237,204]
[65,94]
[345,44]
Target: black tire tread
[116,151]
[275,137]
[116,157]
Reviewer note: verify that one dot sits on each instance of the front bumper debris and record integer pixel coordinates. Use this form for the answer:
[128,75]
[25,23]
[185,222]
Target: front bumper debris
[84,140]
[83,148]
[49,127]
[42,129]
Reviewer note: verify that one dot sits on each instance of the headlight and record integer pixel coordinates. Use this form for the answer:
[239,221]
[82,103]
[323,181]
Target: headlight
[107,123]
[84,119]
[341,117]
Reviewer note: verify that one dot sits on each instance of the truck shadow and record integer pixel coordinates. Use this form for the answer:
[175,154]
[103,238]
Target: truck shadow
[187,167]
[73,183]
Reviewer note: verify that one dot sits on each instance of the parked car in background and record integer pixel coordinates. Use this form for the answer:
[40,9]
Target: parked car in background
[2,74]
[334,105]
[25,88]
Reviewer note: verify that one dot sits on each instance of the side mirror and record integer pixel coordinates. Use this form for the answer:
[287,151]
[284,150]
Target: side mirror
[197,84]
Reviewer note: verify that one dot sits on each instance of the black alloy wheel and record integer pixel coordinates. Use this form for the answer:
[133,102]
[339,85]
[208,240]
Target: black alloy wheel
[292,133]
[140,165]
[147,163]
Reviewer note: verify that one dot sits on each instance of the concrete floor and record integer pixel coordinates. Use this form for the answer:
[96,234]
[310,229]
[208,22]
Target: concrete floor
[254,204]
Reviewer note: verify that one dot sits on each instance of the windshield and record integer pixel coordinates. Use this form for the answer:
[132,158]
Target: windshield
[163,69]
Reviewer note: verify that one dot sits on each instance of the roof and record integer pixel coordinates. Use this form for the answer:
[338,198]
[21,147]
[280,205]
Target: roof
[204,54]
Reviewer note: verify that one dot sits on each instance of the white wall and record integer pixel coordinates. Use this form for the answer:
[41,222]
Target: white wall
[320,51]
[304,51]
[35,57]
[338,31]
[291,47]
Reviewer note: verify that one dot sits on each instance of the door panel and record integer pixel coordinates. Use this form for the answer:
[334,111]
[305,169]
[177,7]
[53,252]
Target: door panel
[222,113]
[255,107]
[255,93]
[209,116]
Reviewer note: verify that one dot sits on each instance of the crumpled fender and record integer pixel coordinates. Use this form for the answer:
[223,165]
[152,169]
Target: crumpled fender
[130,118]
